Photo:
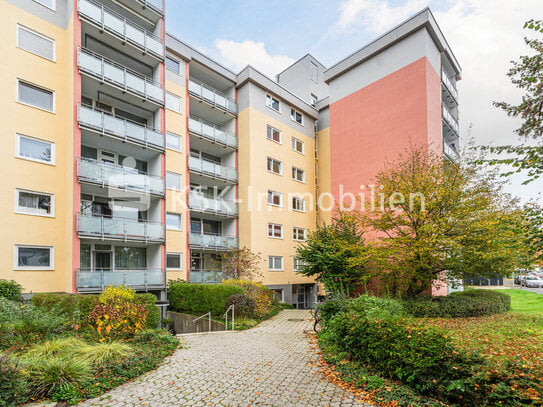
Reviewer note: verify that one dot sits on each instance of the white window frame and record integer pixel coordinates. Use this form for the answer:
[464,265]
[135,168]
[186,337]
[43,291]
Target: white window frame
[313,100]
[178,73]
[19,80]
[176,97]
[22,27]
[295,231]
[293,142]
[276,129]
[271,170]
[270,98]
[174,135]
[52,7]
[293,113]
[296,263]
[298,170]
[37,160]
[178,254]
[25,211]
[276,269]
[173,174]
[180,221]
[32,268]
[276,193]
[272,228]
[300,200]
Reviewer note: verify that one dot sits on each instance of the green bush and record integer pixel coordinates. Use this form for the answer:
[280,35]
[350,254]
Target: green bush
[370,305]
[64,347]
[10,290]
[469,303]
[244,306]
[200,298]
[103,353]
[153,312]
[13,383]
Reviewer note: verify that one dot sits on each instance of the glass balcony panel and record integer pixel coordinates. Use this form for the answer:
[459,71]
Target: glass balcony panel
[114,23]
[135,34]
[89,279]
[114,125]
[208,131]
[155,91]
[90,63]
[155,277]
[113,278]
[205,276]
[135,83]
[155,45]
[90,224]
[113,227]
[157,4]
[195,88]
[135,229]
[113,73]
[90,117]
[135,131]
[155,137]
[155,231]
[221,101]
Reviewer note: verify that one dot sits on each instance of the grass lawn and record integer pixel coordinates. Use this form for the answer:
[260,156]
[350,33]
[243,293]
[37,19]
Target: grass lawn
[525,301]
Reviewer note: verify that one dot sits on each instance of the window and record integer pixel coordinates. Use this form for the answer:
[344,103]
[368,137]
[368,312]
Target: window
[273,134]
[47,3]
[35,96]
[35,150]
[33,258]
[298,234]
[172,65]
[275,263]
[275,198]
[314,99]
[314,72]
[296,116]
[273,103]
[173,221]
[275,230]
[298,174]
[298,204]
[297,145]
[173,142]
[173,181]
[173,102]
[299,264]
[34,203]
[274,166]
[174,261]
[35,43]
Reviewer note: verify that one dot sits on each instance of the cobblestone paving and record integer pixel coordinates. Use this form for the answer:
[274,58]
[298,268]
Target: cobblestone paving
[270,365]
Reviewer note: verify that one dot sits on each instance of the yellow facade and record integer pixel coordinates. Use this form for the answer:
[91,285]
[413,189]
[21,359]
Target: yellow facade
[54,127]
[324,186]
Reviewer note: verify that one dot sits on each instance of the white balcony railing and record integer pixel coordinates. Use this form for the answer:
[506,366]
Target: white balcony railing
[112,73]
[205,276]
[116,24]
[97,280]
[121,128]
[212,96]
[449,84]
[450,119]
[199,202]
[212,169]
[119,177]
[212,132]
[215,242]
[450,151]
[125,229]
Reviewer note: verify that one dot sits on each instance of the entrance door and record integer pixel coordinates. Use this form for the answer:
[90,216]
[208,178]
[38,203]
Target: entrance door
[102,261]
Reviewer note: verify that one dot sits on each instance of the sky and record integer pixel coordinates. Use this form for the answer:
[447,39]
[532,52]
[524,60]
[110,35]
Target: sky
[485,35]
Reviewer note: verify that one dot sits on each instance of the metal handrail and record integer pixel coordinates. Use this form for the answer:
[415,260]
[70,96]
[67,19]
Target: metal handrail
[450,119]
[197,165]
[449,84]
[230,308]
[231,105]
[146,284]
[208,314]
[217,130]
[212,205]
[150,5]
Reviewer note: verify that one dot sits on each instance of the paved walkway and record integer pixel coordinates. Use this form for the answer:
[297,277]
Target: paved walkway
[270,365]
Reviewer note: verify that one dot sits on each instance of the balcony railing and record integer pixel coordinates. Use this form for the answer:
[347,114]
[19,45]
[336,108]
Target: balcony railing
[121,128]
[217,206]
[205,276]
[212,132]
[212,169]
[119,177]
[212,96]
[111,72]
[105,227]
[98,280]
[450,151]
[116,24]
[215,242]
[450,119]
[449,84]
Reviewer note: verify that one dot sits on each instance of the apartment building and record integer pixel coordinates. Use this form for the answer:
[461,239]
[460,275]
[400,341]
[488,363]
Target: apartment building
[135,159]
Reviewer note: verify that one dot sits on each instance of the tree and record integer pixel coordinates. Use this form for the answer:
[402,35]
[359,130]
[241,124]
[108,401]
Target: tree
[241,264]
[437,217]
[328,255]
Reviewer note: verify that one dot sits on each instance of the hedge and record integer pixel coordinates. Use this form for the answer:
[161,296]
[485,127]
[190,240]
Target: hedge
[200,298]
[469,303]
[85,303]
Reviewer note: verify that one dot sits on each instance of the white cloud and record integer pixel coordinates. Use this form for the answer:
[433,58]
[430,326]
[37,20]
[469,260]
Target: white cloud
[238,55]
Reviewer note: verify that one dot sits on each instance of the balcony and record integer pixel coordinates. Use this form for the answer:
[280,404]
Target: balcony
[450,151]
[120,128]
[213,242]
[449,86]
[109,175]
[200,203]
[104,227]
[128,32]
[212,96]
[205,276]
[450,120]
[140,6]
[110,72]
[212,169]
[96,280]
[212,132]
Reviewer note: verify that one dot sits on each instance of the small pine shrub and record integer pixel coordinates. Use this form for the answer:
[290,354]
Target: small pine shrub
[10,290]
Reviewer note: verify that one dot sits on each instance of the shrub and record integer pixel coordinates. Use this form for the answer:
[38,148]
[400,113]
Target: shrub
[469,303]
[156,337]
[103,353]
[153,312]
[200,298]
[244,306]
[261,295]
[331,307]
[65,347]
[13,384]
[10,290]
[118,321]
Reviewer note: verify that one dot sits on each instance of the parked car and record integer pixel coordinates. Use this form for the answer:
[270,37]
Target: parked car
[519,278]
[532,281]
